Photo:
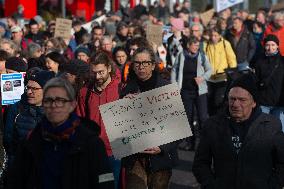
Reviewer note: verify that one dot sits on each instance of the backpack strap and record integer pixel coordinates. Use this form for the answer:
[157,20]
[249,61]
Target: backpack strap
[88,94]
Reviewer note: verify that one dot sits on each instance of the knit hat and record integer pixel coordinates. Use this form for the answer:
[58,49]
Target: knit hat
[247,82]
[271,37]
[16,29]
[83,50]
[177,23]
[17,64]
[38,19]
[76,67]
[32,22]
[42,77]
[121,25]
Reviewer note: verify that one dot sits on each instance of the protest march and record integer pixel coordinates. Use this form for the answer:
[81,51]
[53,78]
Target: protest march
[109,94]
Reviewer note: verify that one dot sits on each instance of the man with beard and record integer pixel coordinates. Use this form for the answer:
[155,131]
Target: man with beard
[103,88]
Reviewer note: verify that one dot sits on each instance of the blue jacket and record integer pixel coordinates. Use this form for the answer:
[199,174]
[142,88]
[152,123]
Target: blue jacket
[204,70]
[21,119]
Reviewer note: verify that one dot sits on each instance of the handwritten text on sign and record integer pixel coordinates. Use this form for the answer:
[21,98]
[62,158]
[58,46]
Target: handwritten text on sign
[152,118]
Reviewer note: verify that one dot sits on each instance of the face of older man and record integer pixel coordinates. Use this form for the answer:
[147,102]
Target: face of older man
[241,104]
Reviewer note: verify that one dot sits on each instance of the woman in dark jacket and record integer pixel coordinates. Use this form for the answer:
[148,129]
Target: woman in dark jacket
[269,69]
[152,167]
[61,152]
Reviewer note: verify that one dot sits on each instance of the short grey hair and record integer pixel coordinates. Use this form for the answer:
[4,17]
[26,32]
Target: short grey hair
[61,83]
[277,15]
[32,48]
[12,44]
[201,28]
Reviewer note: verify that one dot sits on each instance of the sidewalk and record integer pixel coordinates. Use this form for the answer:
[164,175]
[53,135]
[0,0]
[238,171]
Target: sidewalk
[182,177]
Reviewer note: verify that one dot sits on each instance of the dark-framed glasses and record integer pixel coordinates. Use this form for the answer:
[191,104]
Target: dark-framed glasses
[33,89]
[143,63]
[58,101]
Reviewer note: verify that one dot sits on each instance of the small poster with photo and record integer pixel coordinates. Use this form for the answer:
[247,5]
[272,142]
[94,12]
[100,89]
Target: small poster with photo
[12,87]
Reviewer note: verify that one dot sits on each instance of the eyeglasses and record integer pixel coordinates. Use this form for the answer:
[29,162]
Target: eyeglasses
[33,89]
[59,102]
[137,64]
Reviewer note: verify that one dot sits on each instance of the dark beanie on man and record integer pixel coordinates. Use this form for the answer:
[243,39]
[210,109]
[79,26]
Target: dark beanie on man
[42,77]
[77,67]
[17,64]
[247,82]
[271,37]
[83,50]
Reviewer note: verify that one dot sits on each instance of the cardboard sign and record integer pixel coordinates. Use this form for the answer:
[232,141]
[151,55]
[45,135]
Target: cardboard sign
[63,28]
[150,119]
[154,33]
[12,87]
[220,5]
[207,16]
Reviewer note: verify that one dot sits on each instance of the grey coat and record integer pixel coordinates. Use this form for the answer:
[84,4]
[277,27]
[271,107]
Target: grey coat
[204,70]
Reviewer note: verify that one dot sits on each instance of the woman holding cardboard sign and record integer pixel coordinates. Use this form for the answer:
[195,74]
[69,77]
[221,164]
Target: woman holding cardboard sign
[151,168]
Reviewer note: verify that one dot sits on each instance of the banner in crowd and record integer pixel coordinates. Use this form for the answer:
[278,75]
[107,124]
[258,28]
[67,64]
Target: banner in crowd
[12,87]
[150,119]
[166,33]
[63,28]
[207,16]
[220,5]
[154,33]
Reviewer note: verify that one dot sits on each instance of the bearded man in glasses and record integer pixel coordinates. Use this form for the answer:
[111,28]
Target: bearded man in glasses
[103,88]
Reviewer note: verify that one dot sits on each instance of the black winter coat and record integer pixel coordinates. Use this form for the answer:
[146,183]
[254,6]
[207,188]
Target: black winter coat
[85,166]
[244,48]
[269,71]
[167,159]
[258,165]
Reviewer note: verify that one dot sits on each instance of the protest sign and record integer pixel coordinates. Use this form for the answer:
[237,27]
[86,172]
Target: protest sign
[154,33]
[63,28]
[277,7]
[150,119]
[89,25]
[207,16]
[220,5]
[12,87]
[166,33]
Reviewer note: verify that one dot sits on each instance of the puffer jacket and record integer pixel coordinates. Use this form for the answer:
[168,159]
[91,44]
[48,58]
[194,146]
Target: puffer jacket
[22,118]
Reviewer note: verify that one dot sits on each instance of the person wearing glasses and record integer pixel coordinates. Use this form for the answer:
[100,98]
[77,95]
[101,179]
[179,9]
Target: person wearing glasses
[24,115]
[61,152]
[102,88]
[151,168]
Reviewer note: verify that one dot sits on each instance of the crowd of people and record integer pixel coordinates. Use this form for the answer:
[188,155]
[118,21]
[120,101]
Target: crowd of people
[230,73]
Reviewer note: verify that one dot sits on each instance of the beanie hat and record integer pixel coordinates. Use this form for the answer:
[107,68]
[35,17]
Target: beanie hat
[76,67]
[17,64]
[248,82]
[121,25]
[42,77]
[271,37]
[32,22]
[16,29]
[83,50]
[177,23]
